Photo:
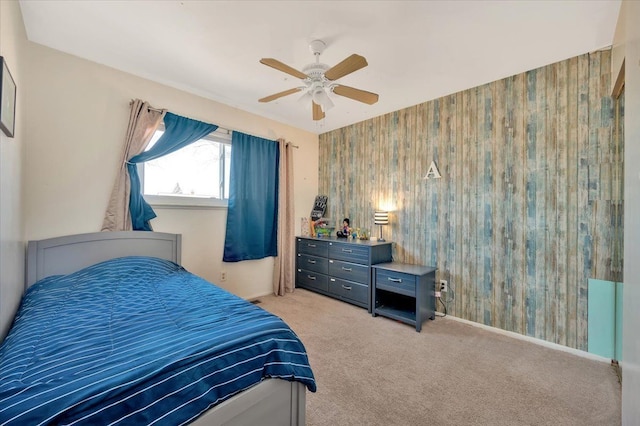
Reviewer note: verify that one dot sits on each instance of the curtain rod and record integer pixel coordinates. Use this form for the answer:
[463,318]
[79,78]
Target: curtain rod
[219,127]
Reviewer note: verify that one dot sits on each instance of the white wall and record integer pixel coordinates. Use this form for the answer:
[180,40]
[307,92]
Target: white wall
[627,40]
[76,118]
[12,245]
[618,45]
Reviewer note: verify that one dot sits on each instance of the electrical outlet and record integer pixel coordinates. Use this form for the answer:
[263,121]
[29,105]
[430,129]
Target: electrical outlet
[223,275]
[443,285]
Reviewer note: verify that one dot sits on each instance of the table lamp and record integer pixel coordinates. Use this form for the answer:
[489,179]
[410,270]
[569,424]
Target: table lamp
[381,218]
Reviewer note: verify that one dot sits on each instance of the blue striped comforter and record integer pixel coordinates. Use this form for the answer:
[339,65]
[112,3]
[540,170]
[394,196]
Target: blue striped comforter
[137,340]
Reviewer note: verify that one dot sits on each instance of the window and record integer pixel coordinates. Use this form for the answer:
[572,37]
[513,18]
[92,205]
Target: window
[196,175]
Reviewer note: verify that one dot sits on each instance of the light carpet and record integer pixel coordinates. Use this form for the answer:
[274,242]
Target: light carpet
[376,371]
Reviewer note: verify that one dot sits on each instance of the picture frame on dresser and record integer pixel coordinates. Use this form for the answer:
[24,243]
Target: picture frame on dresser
[7,99]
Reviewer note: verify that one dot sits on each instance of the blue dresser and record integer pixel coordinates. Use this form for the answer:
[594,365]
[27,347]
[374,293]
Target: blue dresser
[338,267]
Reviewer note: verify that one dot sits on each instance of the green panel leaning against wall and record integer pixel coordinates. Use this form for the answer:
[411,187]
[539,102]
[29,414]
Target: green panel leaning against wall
[523,214]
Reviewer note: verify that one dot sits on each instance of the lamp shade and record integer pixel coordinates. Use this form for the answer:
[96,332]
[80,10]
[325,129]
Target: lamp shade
[306,99]
[321,98]
[381,218]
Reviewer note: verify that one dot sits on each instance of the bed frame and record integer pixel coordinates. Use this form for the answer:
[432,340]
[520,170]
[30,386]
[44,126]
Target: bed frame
[271,402]
[64,255]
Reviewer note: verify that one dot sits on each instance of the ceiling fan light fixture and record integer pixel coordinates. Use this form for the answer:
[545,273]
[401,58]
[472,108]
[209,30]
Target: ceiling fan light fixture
[306,99]
[321,98]
[327,105]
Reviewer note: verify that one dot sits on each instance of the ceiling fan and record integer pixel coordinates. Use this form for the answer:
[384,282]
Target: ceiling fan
[318,78]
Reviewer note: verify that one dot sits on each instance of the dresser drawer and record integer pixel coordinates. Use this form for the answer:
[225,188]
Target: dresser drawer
[313,247]
[350,252]
[311,280]
[396,282]
[349,290]
[313,263]
[349,271]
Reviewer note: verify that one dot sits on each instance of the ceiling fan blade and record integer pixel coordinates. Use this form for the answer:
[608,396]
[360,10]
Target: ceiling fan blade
[274,63]
[356,94]
[349,65]
[317,112]
[279,95]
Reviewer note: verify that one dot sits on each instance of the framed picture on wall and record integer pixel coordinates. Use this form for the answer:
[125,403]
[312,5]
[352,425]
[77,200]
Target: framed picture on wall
[7,100]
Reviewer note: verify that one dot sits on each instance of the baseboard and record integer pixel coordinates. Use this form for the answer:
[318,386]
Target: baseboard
[537,341]
[257,296]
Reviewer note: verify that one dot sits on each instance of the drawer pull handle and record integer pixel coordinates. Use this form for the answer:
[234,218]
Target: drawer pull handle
[311,277]
[347,250]
[346,287]
[395,280]
[313,262]
[311,245]
[346,269]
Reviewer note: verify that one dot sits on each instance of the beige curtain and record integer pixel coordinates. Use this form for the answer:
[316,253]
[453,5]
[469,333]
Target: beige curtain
[283,271]
[143,122]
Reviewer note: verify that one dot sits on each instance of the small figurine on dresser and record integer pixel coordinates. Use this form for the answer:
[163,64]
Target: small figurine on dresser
[318,227]
[345,231]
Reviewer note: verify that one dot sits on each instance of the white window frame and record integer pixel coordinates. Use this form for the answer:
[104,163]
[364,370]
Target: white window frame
[186,202]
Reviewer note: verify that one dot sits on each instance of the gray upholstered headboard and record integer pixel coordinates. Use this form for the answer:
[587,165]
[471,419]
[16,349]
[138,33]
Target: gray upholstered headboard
[64,255]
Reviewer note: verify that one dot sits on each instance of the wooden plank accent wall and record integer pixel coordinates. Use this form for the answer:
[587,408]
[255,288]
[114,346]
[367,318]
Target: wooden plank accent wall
[530,203]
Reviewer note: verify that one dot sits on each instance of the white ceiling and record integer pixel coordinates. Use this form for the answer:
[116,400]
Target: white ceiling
[416,50]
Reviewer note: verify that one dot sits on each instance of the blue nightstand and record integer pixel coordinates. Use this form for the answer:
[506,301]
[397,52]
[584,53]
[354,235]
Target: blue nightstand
[404,292]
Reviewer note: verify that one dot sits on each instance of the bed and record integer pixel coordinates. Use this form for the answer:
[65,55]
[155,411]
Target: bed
[112,330]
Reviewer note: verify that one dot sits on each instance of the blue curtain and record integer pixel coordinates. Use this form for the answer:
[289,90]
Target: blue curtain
[252,216]
[179,132]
